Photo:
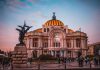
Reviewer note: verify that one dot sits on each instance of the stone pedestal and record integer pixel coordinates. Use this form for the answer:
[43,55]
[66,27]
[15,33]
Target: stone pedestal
[19,57]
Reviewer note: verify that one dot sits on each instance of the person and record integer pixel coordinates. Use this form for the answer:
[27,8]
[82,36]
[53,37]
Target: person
[80,61]
[58,57]
[95,61]
[3,64]
[64,60]
[86,61]
[59,60]
[11,63]
[99,60]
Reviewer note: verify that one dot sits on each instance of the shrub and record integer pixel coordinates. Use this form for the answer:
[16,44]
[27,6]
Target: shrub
[46,57]
[90,57]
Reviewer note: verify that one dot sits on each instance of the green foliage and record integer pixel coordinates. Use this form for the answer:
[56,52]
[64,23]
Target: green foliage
[46,57]
[90,57]
[5,60]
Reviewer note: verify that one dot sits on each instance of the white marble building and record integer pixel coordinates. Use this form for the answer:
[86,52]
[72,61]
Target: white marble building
[56,39]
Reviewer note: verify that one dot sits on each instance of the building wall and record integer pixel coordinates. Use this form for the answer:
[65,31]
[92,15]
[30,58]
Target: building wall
[93,49]
[64,50]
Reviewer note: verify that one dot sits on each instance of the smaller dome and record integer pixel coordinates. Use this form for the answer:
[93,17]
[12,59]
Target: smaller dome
[54,22]
[38,30]
[70,31]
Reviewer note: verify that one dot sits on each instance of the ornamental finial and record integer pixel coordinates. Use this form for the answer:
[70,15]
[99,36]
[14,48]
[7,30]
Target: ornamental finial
[54,17]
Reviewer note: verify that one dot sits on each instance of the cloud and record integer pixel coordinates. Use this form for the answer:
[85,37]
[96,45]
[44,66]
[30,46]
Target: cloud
[15,3]
[39,14]
[30,17]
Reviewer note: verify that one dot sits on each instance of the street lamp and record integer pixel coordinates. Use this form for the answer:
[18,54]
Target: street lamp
[42,50]
[99,51]
[80,42]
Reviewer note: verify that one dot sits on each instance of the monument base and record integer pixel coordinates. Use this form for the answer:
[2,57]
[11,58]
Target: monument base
[19,56]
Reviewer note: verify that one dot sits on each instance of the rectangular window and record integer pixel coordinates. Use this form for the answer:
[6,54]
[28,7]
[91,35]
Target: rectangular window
[56,44]
[68,42]
[45,44]
[78,42]
[35,42]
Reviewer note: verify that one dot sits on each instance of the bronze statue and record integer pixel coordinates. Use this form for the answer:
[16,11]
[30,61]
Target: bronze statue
[23,29]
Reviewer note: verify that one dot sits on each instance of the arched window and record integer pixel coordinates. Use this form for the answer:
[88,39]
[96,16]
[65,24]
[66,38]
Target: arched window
[47,29]
[57,38]
[68,42]
[35,42]
[64,30]
[44,29]
[56,44]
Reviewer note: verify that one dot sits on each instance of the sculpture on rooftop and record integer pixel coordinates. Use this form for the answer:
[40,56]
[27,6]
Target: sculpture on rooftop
[23,29]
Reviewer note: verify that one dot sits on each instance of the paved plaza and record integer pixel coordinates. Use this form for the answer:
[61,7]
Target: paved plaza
[56,66]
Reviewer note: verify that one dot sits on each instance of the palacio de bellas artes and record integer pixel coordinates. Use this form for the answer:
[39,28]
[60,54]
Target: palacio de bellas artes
[49,35]
[55,39]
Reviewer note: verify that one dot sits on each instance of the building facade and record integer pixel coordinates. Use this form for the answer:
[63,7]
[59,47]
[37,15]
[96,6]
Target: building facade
[56,39]
[94,49]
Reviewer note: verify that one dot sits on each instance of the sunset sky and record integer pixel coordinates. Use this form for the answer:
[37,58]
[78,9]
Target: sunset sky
[74,13]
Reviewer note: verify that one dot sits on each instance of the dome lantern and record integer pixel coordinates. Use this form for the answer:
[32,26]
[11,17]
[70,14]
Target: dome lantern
[54,22]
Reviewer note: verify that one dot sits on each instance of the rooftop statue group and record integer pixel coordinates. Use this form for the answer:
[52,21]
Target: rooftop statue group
[23,29]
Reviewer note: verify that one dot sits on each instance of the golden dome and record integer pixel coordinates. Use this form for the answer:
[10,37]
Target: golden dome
[54,22]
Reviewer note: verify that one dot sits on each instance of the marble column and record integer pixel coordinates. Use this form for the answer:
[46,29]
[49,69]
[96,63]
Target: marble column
[74,54]
[55,53]
[49,43]
[29,52]
[65,43]
[52,53]
[82,43]
[27,43]
[72,43]
[75,44]
[49,52]
[39,52]
[64,53]
[31,43]
[61,53]
[40,42]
